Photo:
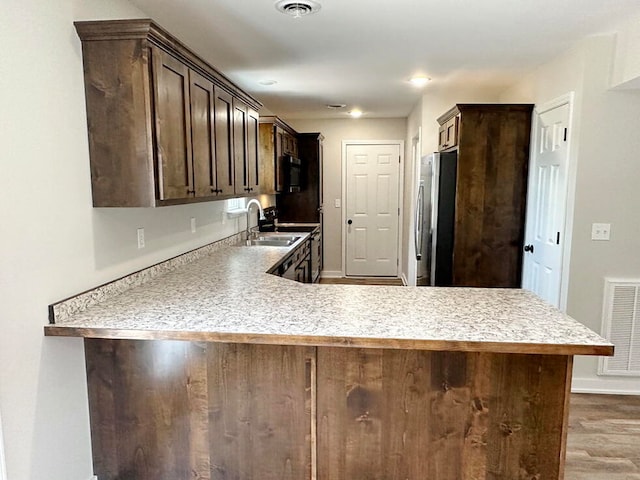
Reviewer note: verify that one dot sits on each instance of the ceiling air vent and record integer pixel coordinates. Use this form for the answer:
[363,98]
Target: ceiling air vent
[297,9]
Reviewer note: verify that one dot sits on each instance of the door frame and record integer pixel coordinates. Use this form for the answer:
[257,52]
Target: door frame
[572,167]
[343,215]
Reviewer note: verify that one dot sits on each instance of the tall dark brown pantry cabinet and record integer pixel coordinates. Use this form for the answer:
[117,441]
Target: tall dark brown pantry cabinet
[492,146]
[306,205]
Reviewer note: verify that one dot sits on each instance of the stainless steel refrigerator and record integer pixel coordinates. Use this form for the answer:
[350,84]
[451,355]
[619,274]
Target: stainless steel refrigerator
[435,218]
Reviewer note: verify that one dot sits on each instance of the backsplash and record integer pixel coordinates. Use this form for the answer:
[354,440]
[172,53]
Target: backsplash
[66,308]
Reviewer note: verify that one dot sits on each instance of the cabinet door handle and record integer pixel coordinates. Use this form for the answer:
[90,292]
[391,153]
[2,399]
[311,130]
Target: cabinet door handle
[528,248]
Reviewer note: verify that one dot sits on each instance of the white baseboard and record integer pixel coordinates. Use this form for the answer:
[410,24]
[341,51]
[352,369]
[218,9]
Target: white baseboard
[330,274]
[404,279]
[609,386]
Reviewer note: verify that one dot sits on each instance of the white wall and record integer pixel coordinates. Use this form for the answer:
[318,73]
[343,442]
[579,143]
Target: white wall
[626,68]
[53,243]
[605,145]
[3,465]
[408,263]
[335,131]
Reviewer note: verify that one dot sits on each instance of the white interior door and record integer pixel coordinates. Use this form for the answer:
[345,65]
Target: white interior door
[372,209]
[547,204]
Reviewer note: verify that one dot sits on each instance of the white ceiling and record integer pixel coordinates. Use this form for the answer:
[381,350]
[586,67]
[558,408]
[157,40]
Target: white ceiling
[361,52]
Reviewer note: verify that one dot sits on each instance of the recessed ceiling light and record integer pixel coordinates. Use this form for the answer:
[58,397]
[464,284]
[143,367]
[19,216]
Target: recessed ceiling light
[267,82]
[355,113]
[299,8]
[419,80]
[335,106]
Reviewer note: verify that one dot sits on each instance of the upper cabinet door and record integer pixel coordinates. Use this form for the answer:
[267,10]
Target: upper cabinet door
[448,133]
[202,135]
[173,126]
[240,147]
[224,142]
[253,156]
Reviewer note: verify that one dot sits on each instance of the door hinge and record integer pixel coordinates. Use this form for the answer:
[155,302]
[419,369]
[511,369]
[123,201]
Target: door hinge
[399,160]
[558,239]
[398,211]
[565,134]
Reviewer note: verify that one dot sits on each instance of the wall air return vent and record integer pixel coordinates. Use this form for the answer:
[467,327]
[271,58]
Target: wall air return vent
[621,326]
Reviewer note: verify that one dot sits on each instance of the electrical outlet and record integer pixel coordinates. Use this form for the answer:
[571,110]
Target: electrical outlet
[193,224]
[600,231]
[141,238]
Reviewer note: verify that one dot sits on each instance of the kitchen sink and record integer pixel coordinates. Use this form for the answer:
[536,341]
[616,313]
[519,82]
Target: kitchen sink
[273,240]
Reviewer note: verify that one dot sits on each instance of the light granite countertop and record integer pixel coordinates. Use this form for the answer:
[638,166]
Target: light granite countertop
[227,296]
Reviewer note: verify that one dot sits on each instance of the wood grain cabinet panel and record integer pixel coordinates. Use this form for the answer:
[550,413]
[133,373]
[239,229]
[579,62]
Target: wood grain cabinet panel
[202,107]
[277,139]
[225,163]
[448,133]
[167,410]
[397,415]
[268,157]
[245,147]
[253,156]
[162,128]
[490,194]
[173,126]
[306,205]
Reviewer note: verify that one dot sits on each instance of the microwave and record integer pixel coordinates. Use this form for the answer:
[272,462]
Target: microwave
[293,174]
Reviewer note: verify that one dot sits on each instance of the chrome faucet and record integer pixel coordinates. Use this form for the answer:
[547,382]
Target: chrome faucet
[253,201]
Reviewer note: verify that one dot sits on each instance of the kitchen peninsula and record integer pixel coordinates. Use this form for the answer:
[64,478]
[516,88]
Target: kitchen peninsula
[215,369]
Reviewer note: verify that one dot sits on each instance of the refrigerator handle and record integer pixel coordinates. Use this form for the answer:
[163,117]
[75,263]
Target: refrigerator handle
[419,219]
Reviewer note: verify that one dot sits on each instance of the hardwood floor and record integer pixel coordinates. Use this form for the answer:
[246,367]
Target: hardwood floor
[363,281]
[604,438]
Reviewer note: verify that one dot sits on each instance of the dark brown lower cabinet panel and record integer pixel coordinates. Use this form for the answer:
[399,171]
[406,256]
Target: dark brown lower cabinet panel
[409,415]
[170,410]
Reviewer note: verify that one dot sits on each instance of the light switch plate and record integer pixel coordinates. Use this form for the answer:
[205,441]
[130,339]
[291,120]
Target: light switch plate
[337,203]
[600,231]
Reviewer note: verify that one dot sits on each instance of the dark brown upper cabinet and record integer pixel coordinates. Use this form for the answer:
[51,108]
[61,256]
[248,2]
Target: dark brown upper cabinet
[223,124]
[448,131]
[245,146]
[277,139]
[164,126]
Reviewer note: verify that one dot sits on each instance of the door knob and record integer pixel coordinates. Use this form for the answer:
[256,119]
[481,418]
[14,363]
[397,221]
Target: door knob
[349,222]
[528,248]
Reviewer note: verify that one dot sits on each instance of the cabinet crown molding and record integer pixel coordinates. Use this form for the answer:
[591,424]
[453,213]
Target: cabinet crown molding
[147,29]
